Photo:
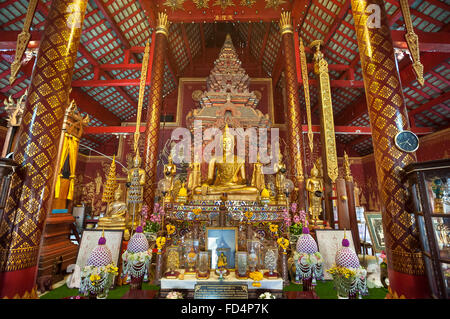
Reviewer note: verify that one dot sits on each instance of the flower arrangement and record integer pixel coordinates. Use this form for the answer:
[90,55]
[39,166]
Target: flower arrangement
[349,281]
[248,215]
[97,280]
[266,295]
[256,276]
[273,229]
[170,230]
[136,259]
[286,217]
[152,224]
[160,242]
[283,243]
[299,222]
[174,295]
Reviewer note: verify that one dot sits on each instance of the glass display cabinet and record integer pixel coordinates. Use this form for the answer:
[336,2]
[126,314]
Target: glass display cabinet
[429,191]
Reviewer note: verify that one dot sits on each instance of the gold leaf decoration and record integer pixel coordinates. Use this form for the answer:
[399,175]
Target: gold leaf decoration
[201,4]
[274,3]
[248,3]
[174,4]
[224,3]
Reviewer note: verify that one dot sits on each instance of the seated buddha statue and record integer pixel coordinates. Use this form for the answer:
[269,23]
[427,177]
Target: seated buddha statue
[226,174]
[115,214]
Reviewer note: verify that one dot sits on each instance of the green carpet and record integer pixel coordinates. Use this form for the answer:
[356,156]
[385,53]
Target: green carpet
[324,290]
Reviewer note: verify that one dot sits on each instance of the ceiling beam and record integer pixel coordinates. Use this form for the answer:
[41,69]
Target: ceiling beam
[110,19]
[135,82]
[87,104]
[407,75]
[84,102]
[428,105]
[347,130]
[428,41]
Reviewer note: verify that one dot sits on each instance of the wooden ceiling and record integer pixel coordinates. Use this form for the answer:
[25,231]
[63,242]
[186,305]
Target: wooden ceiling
[107,71]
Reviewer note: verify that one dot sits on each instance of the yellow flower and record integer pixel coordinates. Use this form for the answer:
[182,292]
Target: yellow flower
[197,211]
[160,242]
[273,228]
[248,215]
[283,242]
[170,229]
[93,278]
[256,275]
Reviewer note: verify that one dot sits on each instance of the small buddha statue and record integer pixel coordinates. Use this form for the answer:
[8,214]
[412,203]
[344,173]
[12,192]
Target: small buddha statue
[226,174]
[280,171]
[170,170]
[314,186]
[258,176]
[195,176]
[115,214]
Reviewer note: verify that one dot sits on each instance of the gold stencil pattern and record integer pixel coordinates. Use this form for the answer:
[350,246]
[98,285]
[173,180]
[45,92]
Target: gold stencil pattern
[26,208]
[294,117]
[153,119]
[388,116]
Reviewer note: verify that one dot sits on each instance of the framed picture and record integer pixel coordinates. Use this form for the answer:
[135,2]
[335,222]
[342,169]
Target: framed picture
[89,241]
[329,241]
[375,225]
[222,239]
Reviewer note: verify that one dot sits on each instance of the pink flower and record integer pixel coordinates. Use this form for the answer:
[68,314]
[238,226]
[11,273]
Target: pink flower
[294,207]
[302,215]
[296,219]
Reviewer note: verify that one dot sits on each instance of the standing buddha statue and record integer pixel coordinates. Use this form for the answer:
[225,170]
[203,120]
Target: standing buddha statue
[258,176]
[136,180]
[280,171]
[170,170]
[314,186]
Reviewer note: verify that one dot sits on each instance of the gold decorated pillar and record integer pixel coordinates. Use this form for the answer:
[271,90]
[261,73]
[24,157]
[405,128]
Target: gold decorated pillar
[327,134]
[294,117]
[154,110]
[388,116]
[30,196]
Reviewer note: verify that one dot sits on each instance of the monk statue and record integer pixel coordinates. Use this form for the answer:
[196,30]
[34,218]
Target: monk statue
[226,174]
[314,186]
[115,214]
[170,170]
[258,176]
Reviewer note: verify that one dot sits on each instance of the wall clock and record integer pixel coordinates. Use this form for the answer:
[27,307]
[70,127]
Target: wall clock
[406,141]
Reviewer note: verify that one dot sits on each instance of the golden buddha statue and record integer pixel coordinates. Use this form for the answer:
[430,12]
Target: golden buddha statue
[195,176]
[280,171]
[115,214]
[258,176]
[314,186]
[170,170]
[226,174]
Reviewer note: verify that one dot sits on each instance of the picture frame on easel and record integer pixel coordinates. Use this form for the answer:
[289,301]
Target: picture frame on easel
[374,224]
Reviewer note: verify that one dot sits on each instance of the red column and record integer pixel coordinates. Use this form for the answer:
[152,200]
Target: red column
[154,110]
[294,117]
[388,116]
[25,213]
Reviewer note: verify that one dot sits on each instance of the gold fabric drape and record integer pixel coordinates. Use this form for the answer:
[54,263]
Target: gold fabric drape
[70,148]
